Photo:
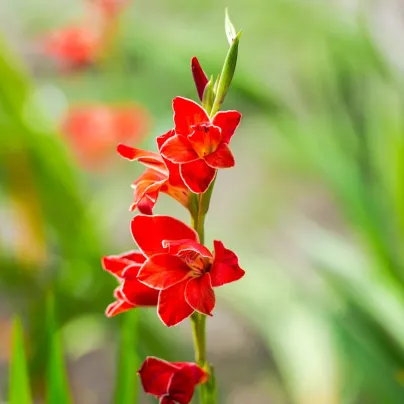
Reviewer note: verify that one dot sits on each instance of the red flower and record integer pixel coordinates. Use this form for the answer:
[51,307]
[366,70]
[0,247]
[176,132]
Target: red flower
[200,145]
[180,267]
[111,8]
[130,293]
[93,130]
[160,176]
[172,382]
[74,46]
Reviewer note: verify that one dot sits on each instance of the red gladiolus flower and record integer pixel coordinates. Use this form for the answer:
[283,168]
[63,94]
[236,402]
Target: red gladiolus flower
[172,382]
[180,267]
[93,130]
[74,46]
[130,293]
[200,145]
[160,176]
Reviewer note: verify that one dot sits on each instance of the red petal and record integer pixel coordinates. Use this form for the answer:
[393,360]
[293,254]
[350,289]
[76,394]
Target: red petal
[199,294]
[117,263]
[162,271]
[228,122]
[199,76]
[146,190]
[181,386]
[197,175]
[150,231]
[118,307]
[186,114]
[205,139]
[148,158]
[136,292]
[179,246]
[178,149]
[166,400]
[221,158]
[172,306]
[163,138]
[198,374]
[225,268]
[155,375]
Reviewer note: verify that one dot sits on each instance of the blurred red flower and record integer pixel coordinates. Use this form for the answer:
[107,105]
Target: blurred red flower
[200,145]
[160,176]
[74,46]
[180,267]
[125,268]
[111,8]
[92,131]
[172,382]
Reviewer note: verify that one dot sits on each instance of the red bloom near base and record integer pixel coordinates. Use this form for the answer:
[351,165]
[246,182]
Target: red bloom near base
[173,382]
[182,269]
[130,293]
[200,145]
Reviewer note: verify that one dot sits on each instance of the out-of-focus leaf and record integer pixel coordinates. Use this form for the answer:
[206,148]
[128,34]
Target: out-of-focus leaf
[57,390]
[19,390]
[126,388]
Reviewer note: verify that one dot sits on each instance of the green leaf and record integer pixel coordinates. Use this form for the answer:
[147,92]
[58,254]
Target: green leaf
[57,391]
[226,76]
[208,96]
[229,28]
[126,389]
[19,388]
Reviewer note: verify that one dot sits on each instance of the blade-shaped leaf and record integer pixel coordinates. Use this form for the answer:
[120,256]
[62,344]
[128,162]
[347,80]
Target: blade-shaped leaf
[126,389]
[57,391]
[19,392]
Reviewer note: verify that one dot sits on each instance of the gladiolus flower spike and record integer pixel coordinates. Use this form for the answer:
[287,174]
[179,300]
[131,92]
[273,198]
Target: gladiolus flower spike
[172,269]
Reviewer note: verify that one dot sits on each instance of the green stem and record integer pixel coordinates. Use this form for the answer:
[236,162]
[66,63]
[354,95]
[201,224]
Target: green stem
[198,320]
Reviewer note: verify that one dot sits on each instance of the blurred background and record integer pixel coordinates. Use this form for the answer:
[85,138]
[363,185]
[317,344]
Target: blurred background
[314,207]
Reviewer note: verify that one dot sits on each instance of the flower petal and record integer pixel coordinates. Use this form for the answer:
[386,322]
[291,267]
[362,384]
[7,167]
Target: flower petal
[136,292]
[147,158]
[162,271]
[199,294]
[166,400]
[172,306]
[186,114]
[182,386]
[150,231]
[198,374]
[178,149]
[222,157]
[118,307]
[197,175]
[228,122]
[121,305]
[225,268]
[205,139]
[155,375]
[116,264]
[146,190]
[178,246]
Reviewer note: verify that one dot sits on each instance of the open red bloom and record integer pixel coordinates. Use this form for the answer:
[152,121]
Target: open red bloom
[130,293]
[74,46]
[171,382]
[160,176]
[93,130]
[180,267]
[200,145]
